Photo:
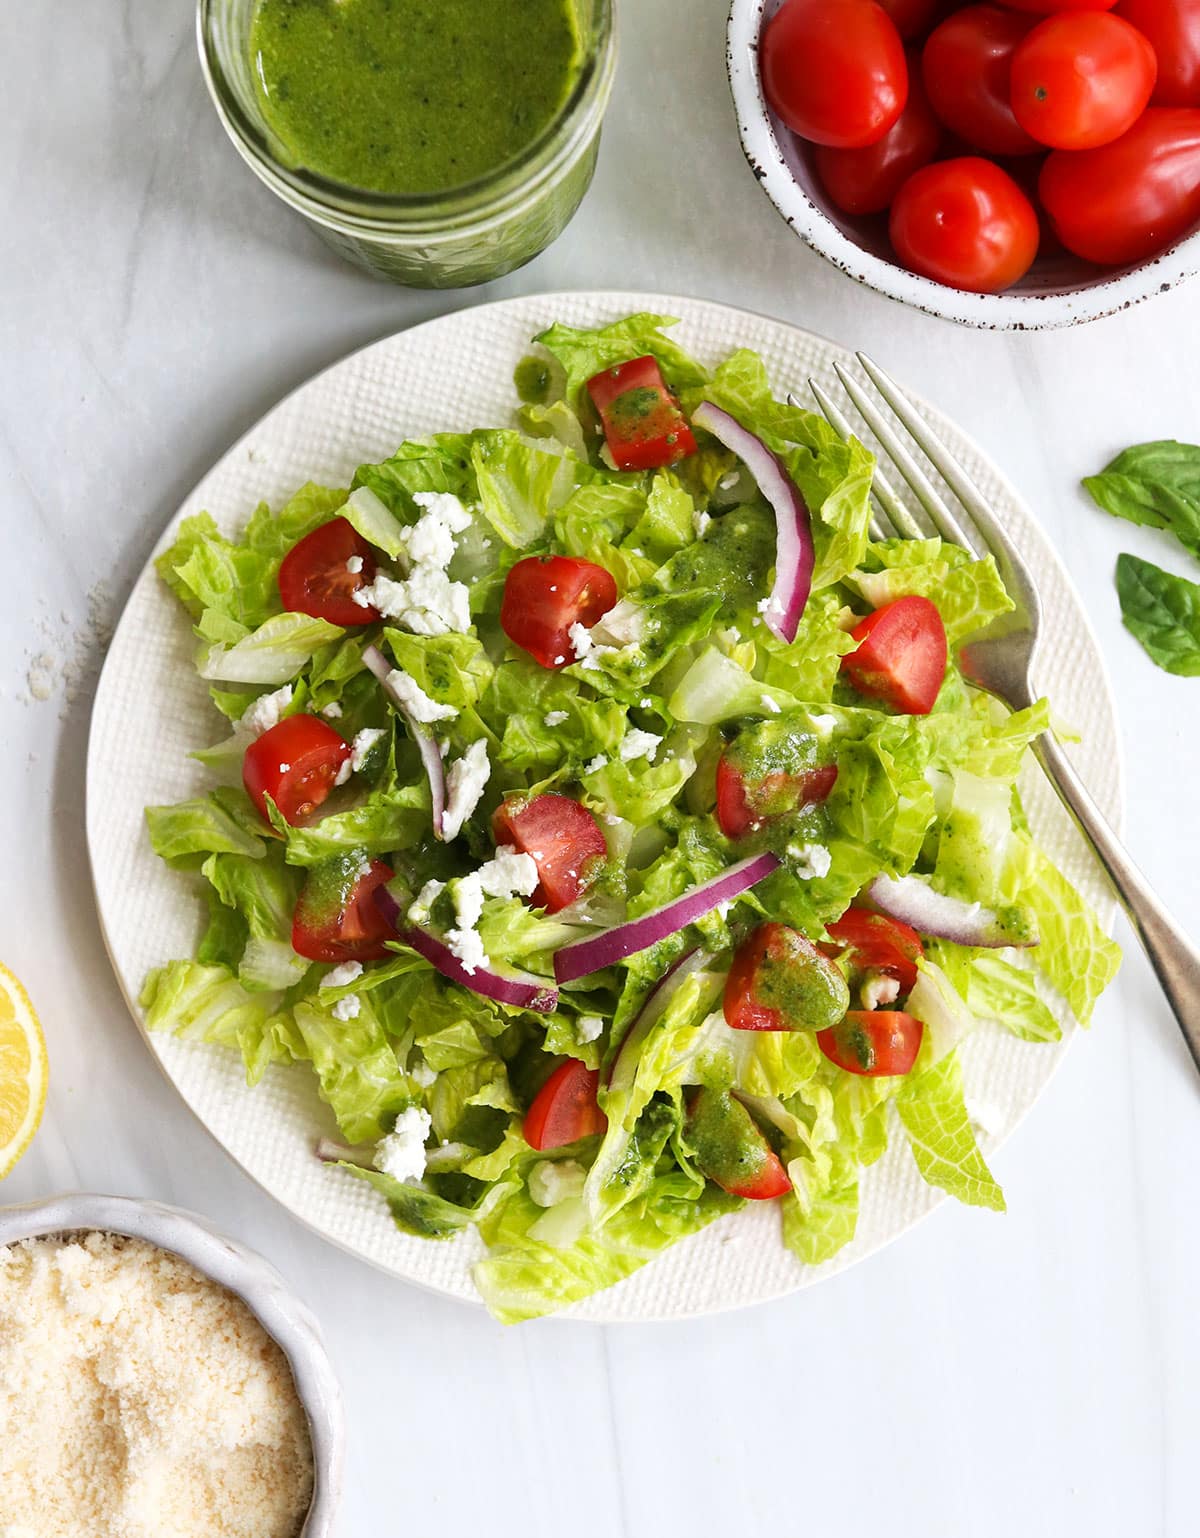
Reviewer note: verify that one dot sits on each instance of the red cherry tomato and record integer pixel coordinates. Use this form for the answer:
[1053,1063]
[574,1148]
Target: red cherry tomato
[337,917]
[834,70]
[965,223]
[780,981]
[864,181]
[643,423]
[1130,199]
[911,18]
[730,1147]
[879,944]
[877,1043]
[743,808]
[545,596]
[1081,79]
[565,1108]
[316,577]
[1173,30]
[901,655]
[966,66]
[1051,7]
[296,763]
[564,840]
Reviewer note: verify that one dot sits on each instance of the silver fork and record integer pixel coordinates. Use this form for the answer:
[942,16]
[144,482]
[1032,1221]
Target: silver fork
[1001,660]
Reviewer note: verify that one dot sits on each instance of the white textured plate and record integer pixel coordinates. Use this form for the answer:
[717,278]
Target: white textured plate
[151,710]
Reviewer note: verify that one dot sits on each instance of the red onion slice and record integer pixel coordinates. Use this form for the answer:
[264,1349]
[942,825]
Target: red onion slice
[581,957]
[794,554]
[431,757]
[523,992]
[915,903]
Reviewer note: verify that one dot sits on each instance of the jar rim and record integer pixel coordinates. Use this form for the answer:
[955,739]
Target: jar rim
[493,194]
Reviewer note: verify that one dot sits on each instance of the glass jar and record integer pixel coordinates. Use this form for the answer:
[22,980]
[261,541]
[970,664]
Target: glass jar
[454,239]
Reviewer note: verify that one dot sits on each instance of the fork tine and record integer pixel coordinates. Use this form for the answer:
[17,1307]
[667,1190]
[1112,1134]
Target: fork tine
[960,483]
[881,490]
[893,445]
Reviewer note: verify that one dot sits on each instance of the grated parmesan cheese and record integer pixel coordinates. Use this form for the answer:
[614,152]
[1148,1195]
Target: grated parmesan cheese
[139,1398]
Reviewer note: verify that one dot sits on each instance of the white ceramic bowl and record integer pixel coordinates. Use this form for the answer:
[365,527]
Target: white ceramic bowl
[1060,291]
[242,1272]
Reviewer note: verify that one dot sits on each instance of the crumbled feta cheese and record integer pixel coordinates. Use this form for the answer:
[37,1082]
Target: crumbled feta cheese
[507,874]
[809,861]
[426,602]
[553,1180]
[555,717]
[285,768]
[772,707]
[700,522]
[414,699]
[623,625]
[646,703]
[597,763]
[639,744]
[354,565]
[613,820]
[465,782]
[347,1008]
[402,1153]
[722,909]
[763,604]
[363,743]
[344,772]
[264,713]
[332,711]
[581,641]
[342,976]
[422,1074]
[878,988]
[418,912]
[823,724]
[728,482]
[430,541]
[588,1027]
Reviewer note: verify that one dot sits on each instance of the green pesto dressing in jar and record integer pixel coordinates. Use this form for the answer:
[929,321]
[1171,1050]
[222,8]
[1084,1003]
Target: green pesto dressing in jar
[412,97]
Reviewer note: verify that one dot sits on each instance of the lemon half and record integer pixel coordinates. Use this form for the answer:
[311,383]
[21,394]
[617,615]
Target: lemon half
[24,1070]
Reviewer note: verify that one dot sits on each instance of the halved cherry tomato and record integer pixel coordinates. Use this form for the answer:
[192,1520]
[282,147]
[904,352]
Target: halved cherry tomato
[911,18]
[321,573]
[743,808]
[1173,30]
[337,917]
[966,65]
[834,70]
[879,944]
[878,1043]
[731,1149]
[296,763]
[780,981]
[901,655]
[565,1108]
[1081,79]
[544,596]
[643,423]
[564,840]
[864,181]
[1130,199]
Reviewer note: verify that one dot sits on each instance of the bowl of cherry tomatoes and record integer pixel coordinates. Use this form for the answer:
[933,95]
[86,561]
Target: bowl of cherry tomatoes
[1027,164]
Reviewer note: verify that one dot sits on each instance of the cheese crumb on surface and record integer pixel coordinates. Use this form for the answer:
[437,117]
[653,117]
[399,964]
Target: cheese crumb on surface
[588,1027]
[347,1008]
[809,861]
[402,1153]
[138,1399]
[332,711]
[554,1180]
[466,781]
[555,717]
[414,699]
[264,713]
[364,741]
[426,601]
[639,744]
[595,765]
[508,874]
[700,522]
[343,975]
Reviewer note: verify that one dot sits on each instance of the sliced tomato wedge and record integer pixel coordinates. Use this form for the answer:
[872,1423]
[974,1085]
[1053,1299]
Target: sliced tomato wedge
[743,808]
[564,840]
[545,596]
[730,1147]
[565,1108]
[322,572]
[643,423]
[337,917]
[877,1043]
[901,655]
[780,981]
[879,944]
[296,763]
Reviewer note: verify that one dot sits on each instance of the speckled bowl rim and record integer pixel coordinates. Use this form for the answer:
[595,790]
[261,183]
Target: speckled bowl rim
[996,312]
[241,1271]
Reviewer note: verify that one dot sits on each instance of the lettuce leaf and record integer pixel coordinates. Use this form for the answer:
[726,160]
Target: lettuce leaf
[934,1116]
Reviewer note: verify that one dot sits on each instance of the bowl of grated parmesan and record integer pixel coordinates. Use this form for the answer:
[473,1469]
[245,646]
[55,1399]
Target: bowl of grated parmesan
[156,1377]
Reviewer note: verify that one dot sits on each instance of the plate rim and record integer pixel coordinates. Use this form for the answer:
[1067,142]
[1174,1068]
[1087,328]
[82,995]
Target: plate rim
[620,301]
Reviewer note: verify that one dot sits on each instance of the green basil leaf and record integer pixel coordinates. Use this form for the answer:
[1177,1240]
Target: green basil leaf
[1163,612]
[1154,484]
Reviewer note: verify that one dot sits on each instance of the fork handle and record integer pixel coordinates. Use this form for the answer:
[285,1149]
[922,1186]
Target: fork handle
[1175,960]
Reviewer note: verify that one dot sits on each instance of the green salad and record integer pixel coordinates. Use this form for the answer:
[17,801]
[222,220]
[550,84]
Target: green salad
[601,816]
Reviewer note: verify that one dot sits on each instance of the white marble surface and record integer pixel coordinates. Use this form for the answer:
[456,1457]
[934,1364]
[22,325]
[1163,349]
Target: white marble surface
[1035,1374]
